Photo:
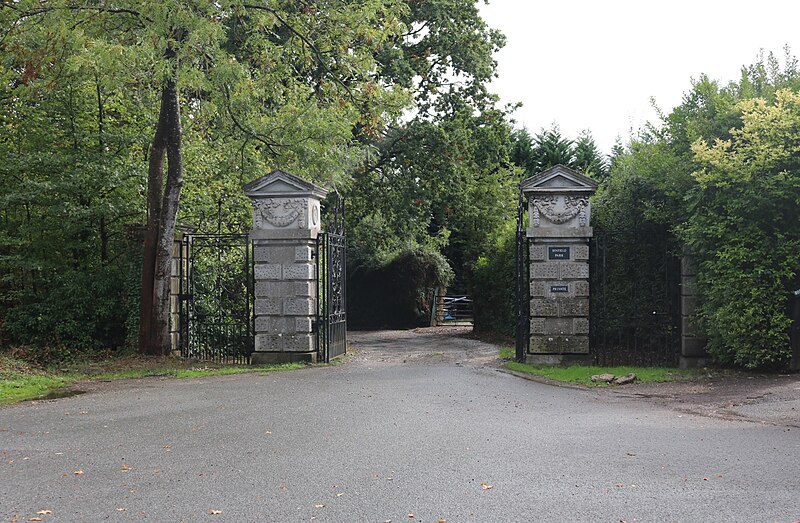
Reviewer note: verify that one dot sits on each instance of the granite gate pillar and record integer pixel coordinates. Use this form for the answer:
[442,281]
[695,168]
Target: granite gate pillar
[286,224]
[558,230]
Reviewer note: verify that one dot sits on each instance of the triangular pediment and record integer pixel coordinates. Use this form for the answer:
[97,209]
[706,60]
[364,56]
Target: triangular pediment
[282,184]
[559,178]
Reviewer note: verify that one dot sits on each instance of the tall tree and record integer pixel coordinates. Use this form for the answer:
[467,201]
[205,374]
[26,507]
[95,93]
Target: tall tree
[288,77]
[588,158]
[420,187]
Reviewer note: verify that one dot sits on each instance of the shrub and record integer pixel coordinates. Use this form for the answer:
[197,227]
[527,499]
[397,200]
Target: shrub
[494,287]
[81,310]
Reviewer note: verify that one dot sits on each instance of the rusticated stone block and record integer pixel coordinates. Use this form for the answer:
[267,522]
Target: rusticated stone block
[302,325]
[273,253]
[268,306]
[574,270]
[537,325]
[693,347]
[575,344]
[298,343]
[545,345]
[261,254]
[581,288]
[688,266]
[580,252]
[274,325]
[303,254]
[573,307]
[274,289]
[298,307]
[538,253]
[304,288]
[580,325]
[544,307]
[269,342]
[544,271]
[267,271]
[558,326]
[688,327]
[538,289]
[300,271]
[688,285]
[688,305]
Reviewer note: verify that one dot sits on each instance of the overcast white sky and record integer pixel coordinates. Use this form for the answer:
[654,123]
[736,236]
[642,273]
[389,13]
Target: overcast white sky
[595,64]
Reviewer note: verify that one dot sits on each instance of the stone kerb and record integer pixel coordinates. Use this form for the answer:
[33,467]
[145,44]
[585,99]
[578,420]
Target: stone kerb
[559,213]
[286,224]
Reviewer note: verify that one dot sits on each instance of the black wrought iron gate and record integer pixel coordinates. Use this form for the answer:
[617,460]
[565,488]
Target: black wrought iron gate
[635,298]
[215,298]
[331,323]
[522,328]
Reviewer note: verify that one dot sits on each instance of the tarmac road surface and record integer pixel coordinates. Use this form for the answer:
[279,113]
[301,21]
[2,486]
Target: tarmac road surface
[413,427]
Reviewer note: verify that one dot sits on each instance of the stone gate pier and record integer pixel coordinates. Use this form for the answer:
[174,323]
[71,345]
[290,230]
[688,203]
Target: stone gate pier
[286,224]
[559,214]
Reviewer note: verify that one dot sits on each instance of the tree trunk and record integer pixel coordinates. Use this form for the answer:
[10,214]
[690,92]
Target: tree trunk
[162,211]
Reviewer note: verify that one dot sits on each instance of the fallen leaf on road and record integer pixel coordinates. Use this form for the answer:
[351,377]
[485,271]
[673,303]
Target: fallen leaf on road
[125,467]
[411,516]
[78,472]
[214,512]
[319,505]
[121,509]
[339,494]
[705,479]
[441,520]
[630,453]
[35,518]
[486,486]
[44,512]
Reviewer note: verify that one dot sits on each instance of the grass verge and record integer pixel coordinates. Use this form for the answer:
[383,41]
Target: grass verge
[21,381]
[582,375]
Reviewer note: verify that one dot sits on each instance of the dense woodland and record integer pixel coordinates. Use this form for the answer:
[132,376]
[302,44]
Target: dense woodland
[124,120]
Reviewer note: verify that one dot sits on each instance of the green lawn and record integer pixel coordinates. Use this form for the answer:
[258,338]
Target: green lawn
[582,375]
[20,381]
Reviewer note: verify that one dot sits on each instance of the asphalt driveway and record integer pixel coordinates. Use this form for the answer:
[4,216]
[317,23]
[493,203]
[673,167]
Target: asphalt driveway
[413,427]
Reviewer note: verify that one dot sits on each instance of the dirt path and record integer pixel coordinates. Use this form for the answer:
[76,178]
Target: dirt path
[423,346]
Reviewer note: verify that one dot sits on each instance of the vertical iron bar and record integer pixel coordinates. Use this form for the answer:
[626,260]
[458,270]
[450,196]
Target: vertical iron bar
[251,296]
[523,321]
[329,301]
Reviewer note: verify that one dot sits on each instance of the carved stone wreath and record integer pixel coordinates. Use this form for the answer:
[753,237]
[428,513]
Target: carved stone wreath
[279,213]
[573,206]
